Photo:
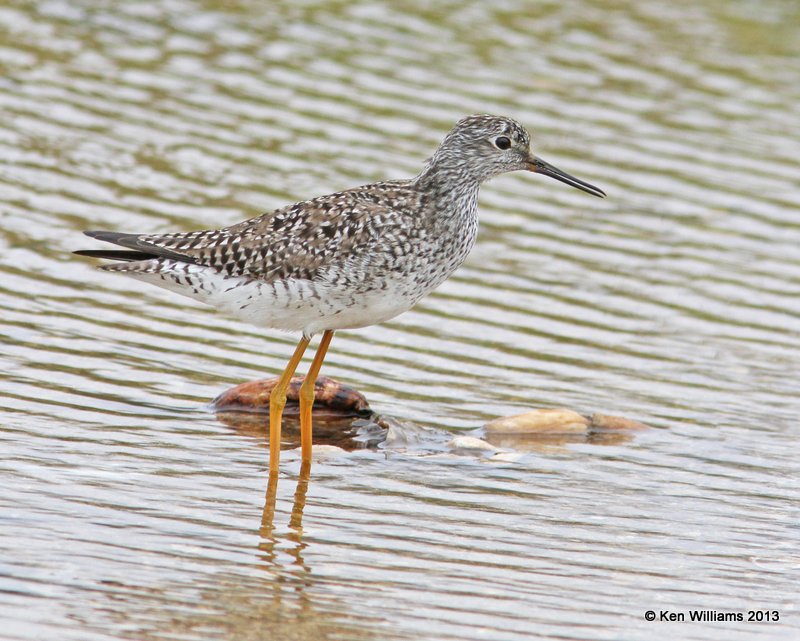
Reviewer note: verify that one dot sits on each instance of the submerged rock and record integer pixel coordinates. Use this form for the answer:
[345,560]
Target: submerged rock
[322,451]
[409,436]
[471,443]
[606,422]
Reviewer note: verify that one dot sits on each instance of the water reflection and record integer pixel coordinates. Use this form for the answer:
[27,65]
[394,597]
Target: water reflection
[282,600]
[331,428]
[299,579]
[292,586]
[544,443]
[267,528]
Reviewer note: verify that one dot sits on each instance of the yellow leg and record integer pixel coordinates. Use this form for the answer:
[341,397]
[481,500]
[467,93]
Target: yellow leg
[277,401]
[307,396]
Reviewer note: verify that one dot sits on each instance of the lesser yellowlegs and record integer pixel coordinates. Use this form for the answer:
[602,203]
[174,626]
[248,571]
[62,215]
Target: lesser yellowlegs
[342,261]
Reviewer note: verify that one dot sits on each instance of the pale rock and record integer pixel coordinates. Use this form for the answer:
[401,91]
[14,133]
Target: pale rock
[552,421]
[470,443]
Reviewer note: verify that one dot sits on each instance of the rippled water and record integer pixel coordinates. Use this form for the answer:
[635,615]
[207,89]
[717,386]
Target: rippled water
[129,510]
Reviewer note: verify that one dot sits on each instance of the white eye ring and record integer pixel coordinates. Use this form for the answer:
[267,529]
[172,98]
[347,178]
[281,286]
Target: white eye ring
[502,142]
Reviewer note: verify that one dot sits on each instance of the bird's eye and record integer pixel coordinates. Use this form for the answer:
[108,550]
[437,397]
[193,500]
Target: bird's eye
[502,142]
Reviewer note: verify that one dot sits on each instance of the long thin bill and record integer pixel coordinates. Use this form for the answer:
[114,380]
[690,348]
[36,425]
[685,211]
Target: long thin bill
[539,166]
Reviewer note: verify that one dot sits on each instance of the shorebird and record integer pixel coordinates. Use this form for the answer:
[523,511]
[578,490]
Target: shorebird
[346,260]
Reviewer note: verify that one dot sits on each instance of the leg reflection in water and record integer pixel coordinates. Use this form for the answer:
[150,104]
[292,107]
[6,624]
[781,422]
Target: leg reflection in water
[269,540]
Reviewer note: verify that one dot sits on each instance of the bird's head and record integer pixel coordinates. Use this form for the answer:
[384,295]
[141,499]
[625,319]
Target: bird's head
[485,146]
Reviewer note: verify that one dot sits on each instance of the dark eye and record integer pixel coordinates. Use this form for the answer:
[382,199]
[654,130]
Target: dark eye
[502,142]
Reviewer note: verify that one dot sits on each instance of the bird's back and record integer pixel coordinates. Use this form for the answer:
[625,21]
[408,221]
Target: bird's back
[349,259]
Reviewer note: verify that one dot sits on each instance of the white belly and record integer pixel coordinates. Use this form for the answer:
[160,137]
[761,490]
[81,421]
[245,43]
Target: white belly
[299,305]
[292,305]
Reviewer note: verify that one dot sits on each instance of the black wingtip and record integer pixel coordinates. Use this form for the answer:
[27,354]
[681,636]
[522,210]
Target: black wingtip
[115,254]
[125,240]
[136,248]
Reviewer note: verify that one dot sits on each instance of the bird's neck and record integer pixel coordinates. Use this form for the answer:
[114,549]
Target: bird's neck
[453,203]
[448,183]
[450,199]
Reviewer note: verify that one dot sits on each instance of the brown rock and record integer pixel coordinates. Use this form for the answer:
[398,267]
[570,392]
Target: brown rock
[342,417]
[330,394]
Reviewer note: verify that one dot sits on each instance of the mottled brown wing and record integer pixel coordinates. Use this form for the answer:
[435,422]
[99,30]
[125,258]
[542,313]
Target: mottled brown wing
[296,241]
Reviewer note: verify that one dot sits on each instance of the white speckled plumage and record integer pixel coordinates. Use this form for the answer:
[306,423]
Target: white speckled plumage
[345,260]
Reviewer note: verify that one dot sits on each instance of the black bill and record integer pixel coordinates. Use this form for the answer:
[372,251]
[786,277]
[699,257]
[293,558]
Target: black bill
[539,166]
